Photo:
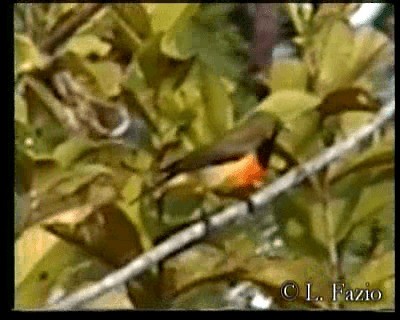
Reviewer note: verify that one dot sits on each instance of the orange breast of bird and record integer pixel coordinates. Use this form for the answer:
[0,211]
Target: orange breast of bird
[248,173]
[237,174]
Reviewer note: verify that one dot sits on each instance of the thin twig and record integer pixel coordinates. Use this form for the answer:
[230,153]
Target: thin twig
[70,26]
[229,215]
[332,245]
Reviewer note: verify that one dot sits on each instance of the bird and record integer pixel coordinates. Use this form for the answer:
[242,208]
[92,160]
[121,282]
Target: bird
[235,165]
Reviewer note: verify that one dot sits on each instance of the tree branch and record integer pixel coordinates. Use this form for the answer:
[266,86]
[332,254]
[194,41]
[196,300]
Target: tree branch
[70,26]
[228,216]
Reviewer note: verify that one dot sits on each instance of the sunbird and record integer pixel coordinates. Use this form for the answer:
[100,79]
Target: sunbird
[234,165]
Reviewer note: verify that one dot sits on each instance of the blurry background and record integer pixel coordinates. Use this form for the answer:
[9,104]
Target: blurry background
[105,93]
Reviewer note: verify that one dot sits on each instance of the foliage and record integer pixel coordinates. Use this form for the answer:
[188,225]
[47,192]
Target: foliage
[181,68]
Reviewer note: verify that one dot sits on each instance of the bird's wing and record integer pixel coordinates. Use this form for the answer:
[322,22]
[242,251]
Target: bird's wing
[233,146]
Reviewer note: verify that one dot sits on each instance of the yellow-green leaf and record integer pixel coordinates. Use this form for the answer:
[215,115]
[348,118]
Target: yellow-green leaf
[36,288]
[201,262]
[106,233]
[287,75]
[288,105]
[219,107]
[164,15]
[27,255]
[69,151]
[373,199]
[274,272]
[27,55]
[21,109]
[136,16]
[351,121]
[177,41]
[113,300]
[127,37]
[381,154]
[371,48]
[379,274]
[86,44]
[154,65]
[107,75]
[337,52]
[132,188]
[70,181]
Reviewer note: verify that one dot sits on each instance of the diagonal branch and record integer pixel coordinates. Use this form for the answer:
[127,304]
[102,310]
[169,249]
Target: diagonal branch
[229,215]
[70,26]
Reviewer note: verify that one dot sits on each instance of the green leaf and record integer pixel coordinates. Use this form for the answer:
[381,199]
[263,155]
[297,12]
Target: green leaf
[360,54]
[21,207]
[219,107]
[170,100]
[27,55]
[142,161]
[371,50]
[106,233]
[135,16]
[69,182]
[58,190]
[27,256]
[351,121]
[132,188]
[137,84]
[102,24]
[288,74]
[288,105]
[85,45]
[335,11]
[202,98]
[21,109]
[318,225]
[107,76]
[49,100]
[244,100]
[181,205]
[116,299]
[19,13]
[295,215]
[101,192]
[177,41]
[294,229]
[337,51]
[201,262]
[379,274]
[42,281]
[69,151]
[132,212]
[144,291]
[29,144]
[154,64]
[220,50]
[274,272]
[373,199]
[165,15]
[126,36]
[363,200]
[204,296]
[381,154]
[200,130]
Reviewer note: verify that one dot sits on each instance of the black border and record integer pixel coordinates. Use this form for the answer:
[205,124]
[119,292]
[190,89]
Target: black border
[8,138]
